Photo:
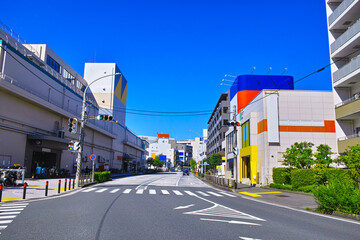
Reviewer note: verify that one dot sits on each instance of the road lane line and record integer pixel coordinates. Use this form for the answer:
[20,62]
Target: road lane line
[114,191]
[152,191]
[165,192]
[127,191]
[102,190]
[202,193]
[183,207]
[178,192]
[231,222]
[215,194]
[90,189]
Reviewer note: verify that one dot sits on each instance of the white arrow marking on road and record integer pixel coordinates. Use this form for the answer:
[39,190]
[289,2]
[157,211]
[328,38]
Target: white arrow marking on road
[232,221]
[183,207]
[246,238]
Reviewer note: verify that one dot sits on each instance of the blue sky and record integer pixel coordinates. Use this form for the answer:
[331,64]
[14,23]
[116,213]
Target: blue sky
[175,53]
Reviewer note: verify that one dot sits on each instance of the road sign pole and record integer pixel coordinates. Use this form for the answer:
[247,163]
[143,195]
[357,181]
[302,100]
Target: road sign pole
[93,171]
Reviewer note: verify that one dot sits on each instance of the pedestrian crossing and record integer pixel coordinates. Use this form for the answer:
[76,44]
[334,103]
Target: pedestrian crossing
[143,191]
[8,212]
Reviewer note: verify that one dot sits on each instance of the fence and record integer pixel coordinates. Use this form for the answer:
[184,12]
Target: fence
[222,181]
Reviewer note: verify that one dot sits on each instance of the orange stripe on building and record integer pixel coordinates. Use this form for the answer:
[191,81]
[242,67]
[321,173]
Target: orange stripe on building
[329,127]
[163,135]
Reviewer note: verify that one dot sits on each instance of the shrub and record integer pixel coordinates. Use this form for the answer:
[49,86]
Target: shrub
[307,189]
[302,177]
[338,196]
[281,175]
[281,186]
[102,176]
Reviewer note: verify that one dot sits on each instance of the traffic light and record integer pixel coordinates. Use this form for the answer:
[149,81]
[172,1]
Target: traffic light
[104,117]
[71,146]
[72,125]
[233,123]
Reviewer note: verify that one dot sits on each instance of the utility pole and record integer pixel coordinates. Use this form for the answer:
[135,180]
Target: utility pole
[235,146]
[82,133]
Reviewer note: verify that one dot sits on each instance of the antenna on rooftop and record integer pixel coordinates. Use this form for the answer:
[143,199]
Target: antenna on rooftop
[270,68]
[253,70]
[284,71]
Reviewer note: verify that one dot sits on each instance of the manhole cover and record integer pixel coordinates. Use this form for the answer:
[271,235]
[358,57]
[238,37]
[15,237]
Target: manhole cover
[281,196]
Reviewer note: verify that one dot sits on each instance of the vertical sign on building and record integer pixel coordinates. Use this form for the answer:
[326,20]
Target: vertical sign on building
[272,117]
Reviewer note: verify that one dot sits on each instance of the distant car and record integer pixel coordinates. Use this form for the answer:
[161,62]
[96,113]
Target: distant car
[186,172]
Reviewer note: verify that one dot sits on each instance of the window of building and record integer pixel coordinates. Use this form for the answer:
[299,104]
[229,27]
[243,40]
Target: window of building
[225,109]
[53,64]
[245,134]
[230,142]
[68,76]
[80,86]
[225,122]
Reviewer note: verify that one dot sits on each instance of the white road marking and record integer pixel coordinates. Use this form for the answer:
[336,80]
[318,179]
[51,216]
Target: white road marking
[228,194]
[177,183]
[9,210]
[190,193]
[215,194]
[102,190]
[231,221]
[178,192]
[14,204]
[183,207]
[246,238]
[115,190]
[8,216]
[20,206]
[152,191]
[90,189]
[140,191]
[127,191]
[3,227]
[5,221]
[9,213]
[165,192]
[202,193]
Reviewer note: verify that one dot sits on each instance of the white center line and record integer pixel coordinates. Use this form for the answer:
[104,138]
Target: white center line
[114,191]
[165,192]
[152,191]
[178,192]
[127,191]
[102,190]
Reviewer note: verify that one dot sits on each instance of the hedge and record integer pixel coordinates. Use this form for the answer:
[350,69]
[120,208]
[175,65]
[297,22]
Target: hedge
[101,176]
[302,177]
[281,175]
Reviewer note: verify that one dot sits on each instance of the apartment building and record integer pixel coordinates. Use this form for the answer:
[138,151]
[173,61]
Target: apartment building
[39,92]
[218,125]
[344,41]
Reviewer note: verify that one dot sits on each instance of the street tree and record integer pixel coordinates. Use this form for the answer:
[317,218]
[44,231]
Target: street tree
[213,160]
[150,161]
[323,155]
[299,155]
[192,164]
[351,158]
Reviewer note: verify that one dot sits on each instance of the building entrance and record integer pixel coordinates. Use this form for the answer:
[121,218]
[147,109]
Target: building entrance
[246,167]
[44,160]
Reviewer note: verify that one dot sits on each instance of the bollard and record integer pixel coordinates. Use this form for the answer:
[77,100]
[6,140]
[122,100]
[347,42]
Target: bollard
[69,183]
[59,185]
[24,192]
[1,187]
[65,185]
[73,183]
[46,188]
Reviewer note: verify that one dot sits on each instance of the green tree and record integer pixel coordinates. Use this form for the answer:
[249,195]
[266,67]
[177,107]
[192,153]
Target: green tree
[351,158]
[299,155]
[192,164]
[150,161]
[323,155]
[157,162]
[213,160]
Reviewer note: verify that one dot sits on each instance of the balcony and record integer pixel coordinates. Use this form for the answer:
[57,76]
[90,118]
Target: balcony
[349,109]
[347,74]
[345,142]
[344,14]
[347,42]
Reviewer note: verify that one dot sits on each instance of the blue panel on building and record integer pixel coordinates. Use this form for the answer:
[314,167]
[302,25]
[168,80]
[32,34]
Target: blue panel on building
[181,158]
[162,157]
[230,160]
[261,82]
[181,153]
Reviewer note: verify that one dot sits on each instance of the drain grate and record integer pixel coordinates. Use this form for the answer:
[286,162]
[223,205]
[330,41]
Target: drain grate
[281,196]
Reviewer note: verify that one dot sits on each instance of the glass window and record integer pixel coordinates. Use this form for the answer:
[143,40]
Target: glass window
[53,64]
[68,76]
[245,134]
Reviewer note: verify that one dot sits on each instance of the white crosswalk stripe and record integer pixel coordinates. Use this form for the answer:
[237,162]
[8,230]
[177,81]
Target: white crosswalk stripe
[140,191]
[165,192]
[228,194]
[89,190]
[102,190]
[178,192]
[190,193]
[127,191]
[152,191]
[202,193]
[114,191]
[8,212]
[215,194]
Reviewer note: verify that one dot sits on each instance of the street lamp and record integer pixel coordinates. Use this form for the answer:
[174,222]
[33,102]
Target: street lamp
[82,125]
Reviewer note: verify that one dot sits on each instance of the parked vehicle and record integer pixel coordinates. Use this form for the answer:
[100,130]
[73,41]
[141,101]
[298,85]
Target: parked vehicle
[186,172]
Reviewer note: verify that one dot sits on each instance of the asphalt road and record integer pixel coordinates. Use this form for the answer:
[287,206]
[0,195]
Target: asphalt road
[164,206]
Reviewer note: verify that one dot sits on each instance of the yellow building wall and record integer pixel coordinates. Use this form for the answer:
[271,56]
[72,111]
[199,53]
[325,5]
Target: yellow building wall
[251,151]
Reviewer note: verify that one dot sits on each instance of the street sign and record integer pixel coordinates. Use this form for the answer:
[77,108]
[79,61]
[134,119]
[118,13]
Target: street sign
[92,157]
[206,164]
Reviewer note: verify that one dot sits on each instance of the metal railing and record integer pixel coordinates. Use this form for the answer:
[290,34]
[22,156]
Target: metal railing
[339,10]
[347,69]
[349,137]
[346,36]
[355,97]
